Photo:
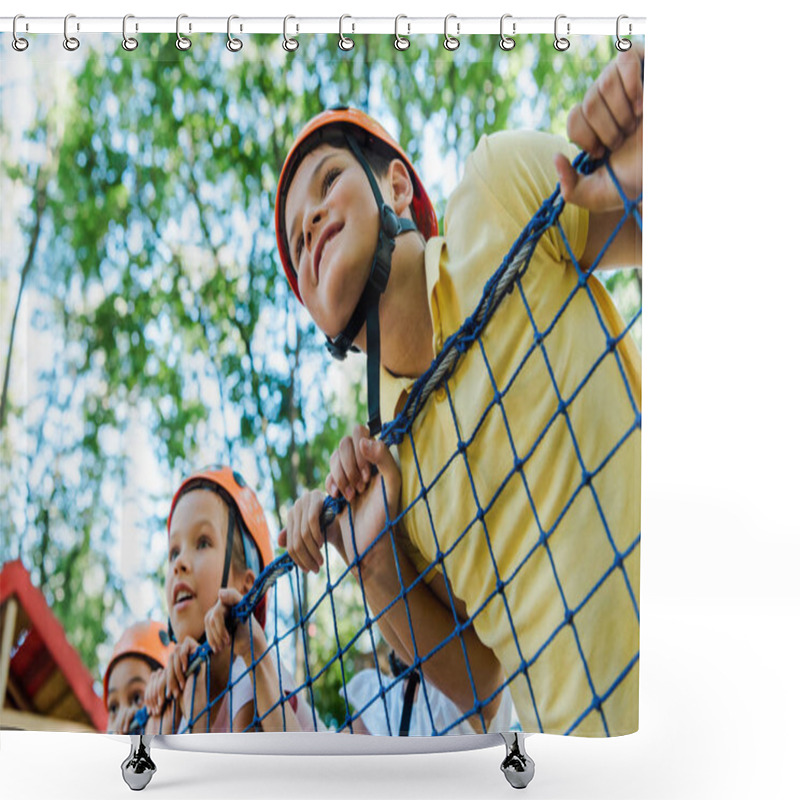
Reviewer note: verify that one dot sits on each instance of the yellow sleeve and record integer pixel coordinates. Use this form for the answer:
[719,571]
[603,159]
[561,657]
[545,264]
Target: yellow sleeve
[508,177]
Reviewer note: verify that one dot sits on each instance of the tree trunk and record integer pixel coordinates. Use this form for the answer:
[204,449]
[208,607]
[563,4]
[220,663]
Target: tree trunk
[41,198]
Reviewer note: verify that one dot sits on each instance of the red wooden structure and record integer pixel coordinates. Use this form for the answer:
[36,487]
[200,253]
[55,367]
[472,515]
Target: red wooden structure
[44,685]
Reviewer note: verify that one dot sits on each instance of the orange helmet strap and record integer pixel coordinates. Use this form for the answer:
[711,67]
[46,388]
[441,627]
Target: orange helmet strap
[228,549]
[230,624]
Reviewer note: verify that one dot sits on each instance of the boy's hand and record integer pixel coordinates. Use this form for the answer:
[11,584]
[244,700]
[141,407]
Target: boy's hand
[368,509]
[217,634]
[303,537]
[350,470]
[609,118]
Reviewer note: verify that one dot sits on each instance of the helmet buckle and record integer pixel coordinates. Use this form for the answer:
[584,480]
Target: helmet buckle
[338,347]
[390,223]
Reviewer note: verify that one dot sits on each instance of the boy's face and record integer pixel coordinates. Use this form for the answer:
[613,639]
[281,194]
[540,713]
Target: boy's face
[332,228]
[197,541]
[126,685]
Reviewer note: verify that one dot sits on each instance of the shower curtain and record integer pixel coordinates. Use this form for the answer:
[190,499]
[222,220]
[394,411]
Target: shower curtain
[208,523]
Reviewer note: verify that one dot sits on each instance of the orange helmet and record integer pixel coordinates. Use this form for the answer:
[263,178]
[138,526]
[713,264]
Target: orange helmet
[146,639]
[421,205]
[235,490]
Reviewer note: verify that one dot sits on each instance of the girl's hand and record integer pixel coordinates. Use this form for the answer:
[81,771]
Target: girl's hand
[126,721]
[177,665]
[166,721]
[155,693]
[218,637]
[610,118]
[123,720]
[188,691]
[163,713]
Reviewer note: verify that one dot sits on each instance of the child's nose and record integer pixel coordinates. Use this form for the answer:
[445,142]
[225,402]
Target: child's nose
[313,225]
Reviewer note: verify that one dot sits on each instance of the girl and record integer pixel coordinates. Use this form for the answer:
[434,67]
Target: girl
[218,543]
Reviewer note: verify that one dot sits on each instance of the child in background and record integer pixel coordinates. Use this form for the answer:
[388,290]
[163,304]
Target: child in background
[409,709]
[141,650]
[357,236]
[218,544]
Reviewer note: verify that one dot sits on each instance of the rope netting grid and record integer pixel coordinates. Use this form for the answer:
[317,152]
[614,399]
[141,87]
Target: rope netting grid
[505,280]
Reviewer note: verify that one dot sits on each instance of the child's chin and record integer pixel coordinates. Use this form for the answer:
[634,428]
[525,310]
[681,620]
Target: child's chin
[183,632]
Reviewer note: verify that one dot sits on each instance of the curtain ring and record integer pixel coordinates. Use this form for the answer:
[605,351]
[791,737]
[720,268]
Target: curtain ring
[451,42]
[344,42]
[233,44]
[401,42]
[181,42]
[19,44]
[289,44]
[70,42]
[560,43]
[623,44]
[506,42]
[128,42]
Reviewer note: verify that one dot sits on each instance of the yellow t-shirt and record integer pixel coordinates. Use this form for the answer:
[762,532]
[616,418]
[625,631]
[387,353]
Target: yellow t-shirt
[511,504]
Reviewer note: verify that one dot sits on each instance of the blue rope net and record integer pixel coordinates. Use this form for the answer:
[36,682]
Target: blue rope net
[282,571]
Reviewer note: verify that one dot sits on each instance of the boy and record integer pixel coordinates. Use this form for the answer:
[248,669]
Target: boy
[519,487]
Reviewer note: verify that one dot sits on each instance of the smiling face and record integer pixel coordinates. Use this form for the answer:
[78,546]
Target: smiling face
[126,685]
[197,540]
[332,224]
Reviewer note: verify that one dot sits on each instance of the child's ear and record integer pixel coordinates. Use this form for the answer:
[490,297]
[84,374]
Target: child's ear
[248,581]
[402,186]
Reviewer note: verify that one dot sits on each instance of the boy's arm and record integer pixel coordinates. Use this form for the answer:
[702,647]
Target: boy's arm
[624,251]
[432,619]
[385,571]
[452,670]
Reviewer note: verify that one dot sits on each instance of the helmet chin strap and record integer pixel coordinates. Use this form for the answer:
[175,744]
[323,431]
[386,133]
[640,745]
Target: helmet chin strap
[366,309]
[228,548]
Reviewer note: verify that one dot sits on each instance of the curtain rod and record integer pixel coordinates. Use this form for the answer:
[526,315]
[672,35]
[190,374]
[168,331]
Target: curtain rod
[404,25]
